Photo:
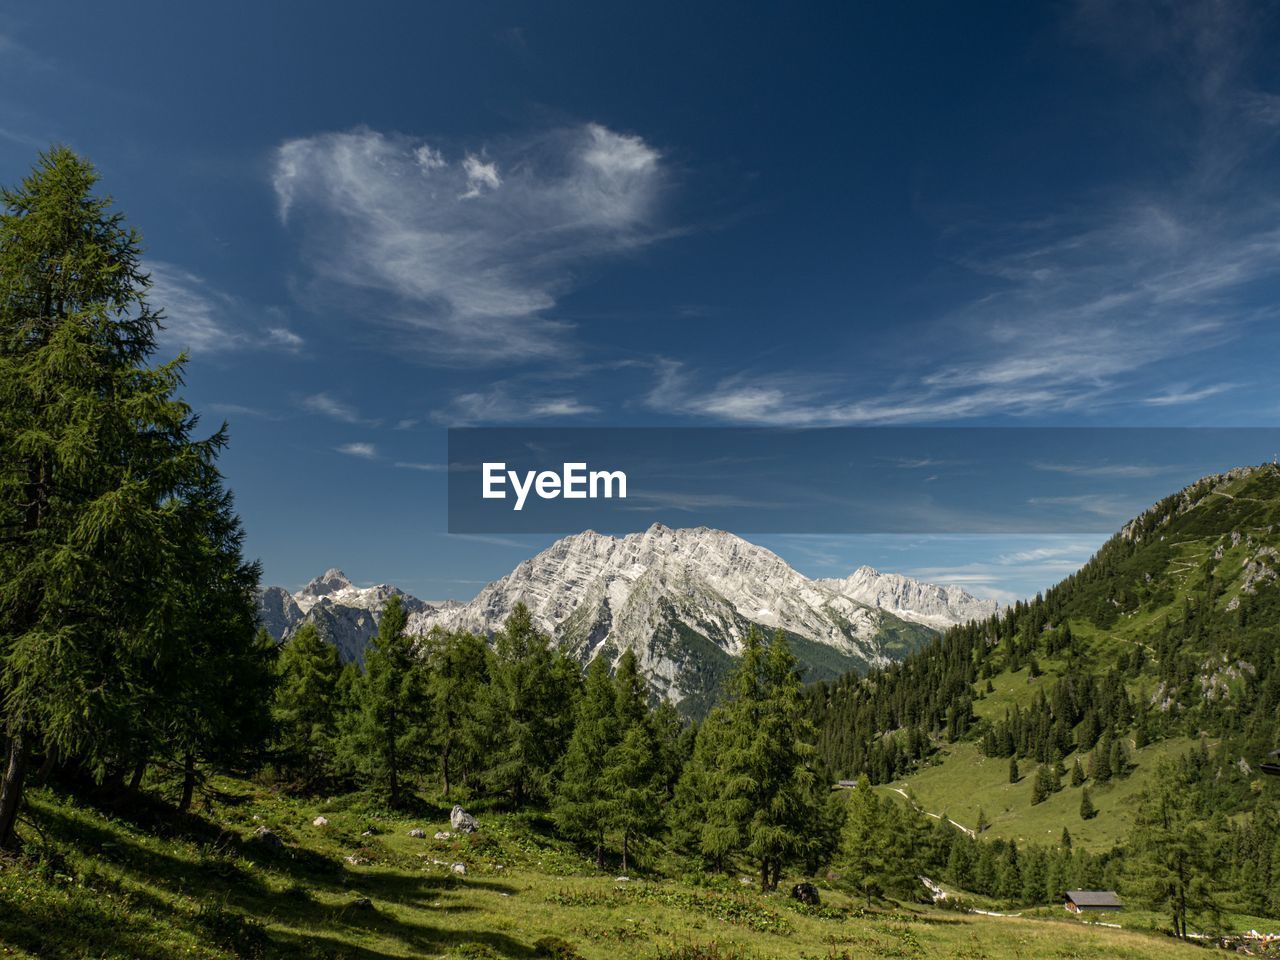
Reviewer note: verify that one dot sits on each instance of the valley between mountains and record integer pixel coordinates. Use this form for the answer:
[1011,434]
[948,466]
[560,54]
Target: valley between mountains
[681,599]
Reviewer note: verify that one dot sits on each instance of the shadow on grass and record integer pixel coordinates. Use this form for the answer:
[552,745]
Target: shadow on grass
[229,874]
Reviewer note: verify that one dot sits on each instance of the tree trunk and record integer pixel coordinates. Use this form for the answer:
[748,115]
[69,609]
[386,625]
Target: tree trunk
[11,790]
[625,846]
[599,853]
[764,876]
[444,766]
[188,782]
[135,781]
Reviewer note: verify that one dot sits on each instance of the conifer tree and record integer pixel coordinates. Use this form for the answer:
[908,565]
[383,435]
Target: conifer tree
[457,668]
[386,736]
[867,847]
[305,706]
[1043,785]
[1077,773]
[1171,856]
[1014,776]
[213,692]
[632,769]
[527,710]
[96,455]
[699,824]
[580,804]
[1100,762]
[766,798]
[1087,811]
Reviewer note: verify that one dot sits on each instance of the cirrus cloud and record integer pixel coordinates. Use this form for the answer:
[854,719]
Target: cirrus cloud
[465,256]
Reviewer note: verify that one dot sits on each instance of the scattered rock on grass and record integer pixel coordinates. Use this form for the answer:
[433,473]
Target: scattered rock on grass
[267,838]
[462,822]
[362,903]
[418,833]
[443,835]
[320,822]
[460,869]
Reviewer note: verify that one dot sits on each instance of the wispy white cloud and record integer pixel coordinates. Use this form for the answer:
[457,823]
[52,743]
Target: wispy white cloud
[202,319]
[1094,504]
[1184,395]
[328,406]
[467,256]
[503,403]
[1084,303]
[1119,470]
[425,467]
[242,410]
[366,451]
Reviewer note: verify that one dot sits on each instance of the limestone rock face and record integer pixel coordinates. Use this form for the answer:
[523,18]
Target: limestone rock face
[682,600]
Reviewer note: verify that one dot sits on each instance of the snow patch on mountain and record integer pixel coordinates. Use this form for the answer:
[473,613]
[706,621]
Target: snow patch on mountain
[933,605]
[682,599]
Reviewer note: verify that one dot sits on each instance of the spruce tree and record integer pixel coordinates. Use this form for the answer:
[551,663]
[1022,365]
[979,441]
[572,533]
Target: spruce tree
[1087,811]
[1100,762]
[96,455]
[1043,785]
[1077,773]
[983,824]
[1014,776]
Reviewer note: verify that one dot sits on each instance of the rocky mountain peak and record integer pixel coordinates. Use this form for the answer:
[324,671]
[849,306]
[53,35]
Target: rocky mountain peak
[331,581]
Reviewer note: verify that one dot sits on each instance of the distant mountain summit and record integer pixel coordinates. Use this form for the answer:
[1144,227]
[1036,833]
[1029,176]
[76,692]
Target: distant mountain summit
[346,615]
[930,604]
[681,599]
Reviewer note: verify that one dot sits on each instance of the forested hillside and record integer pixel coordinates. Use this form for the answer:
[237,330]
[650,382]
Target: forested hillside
[1158,663]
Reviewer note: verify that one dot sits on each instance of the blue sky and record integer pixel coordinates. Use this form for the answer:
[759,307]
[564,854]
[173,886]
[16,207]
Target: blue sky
[367,226]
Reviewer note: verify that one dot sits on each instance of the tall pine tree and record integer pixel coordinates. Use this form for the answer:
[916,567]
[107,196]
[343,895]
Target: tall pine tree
[95,456]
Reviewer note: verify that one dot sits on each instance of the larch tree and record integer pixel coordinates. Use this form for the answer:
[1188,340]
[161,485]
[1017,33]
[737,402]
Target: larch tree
[96,453]
[766,802]
[457,671]
[305,707]
[580,806]
[633,774]
[387,736]
[527,710]
[1171,855]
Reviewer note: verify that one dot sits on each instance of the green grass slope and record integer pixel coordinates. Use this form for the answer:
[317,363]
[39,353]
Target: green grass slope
[108,887]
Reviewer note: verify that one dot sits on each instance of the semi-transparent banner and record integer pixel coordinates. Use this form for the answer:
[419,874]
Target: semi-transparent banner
[839,480]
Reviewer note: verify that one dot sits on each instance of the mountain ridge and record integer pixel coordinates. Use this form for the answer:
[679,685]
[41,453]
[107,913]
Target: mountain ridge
[681,599]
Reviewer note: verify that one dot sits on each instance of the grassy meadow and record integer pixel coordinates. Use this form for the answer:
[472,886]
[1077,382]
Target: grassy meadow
[143,883]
